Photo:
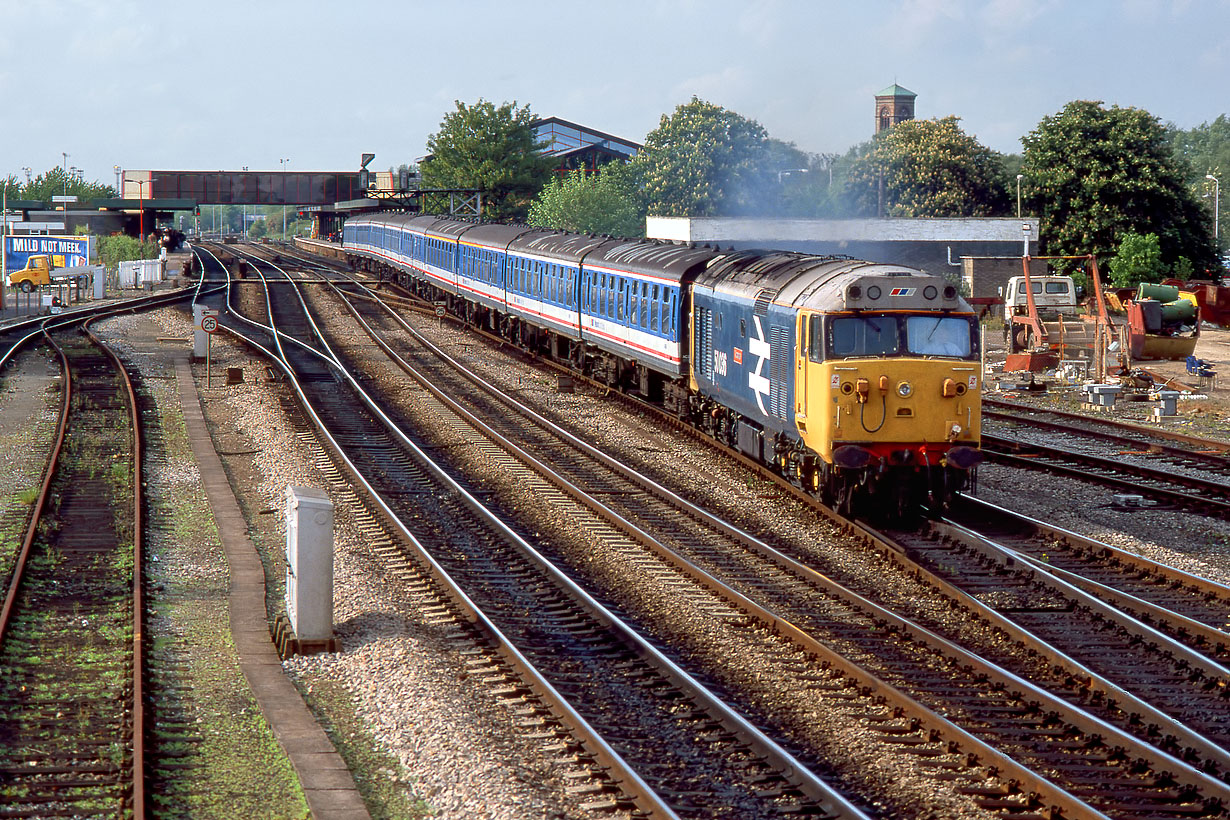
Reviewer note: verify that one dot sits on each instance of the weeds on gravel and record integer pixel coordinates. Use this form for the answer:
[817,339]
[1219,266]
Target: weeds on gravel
[387,797]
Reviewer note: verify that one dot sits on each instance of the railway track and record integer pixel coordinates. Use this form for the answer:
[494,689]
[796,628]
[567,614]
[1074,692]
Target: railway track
[1178,694]
[1108,429]
[1186,490]
[72,723]
[810,606]
[670,744]
[1184,799]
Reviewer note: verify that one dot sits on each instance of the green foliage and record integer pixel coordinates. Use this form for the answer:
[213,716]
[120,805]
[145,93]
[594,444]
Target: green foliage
[706,161]
[491,149]
[57,182]
[120,248]
[1095,174]
[928,168]
[1183,269]
[603,203]
[1137,259]
[260,228]
[1206,149]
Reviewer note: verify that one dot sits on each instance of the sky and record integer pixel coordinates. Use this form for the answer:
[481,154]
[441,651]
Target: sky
[220,85]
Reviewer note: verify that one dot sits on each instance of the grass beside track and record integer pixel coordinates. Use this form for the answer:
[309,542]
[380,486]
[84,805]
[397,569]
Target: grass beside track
[226,762]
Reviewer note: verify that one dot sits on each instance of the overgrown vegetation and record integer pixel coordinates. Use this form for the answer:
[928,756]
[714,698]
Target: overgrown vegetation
[119,248]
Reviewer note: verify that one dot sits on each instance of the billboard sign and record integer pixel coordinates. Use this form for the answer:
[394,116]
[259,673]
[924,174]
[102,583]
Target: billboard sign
[65,251]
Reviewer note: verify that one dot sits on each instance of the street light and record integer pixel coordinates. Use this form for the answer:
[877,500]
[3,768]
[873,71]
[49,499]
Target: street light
[141,194]
[4,240]
[781,174]
[27,169]
[245,212]
[1216,202]
[1019,177]
[284,161]
[65,167]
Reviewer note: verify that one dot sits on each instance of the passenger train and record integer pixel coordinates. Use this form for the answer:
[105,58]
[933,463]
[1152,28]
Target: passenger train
[857,380]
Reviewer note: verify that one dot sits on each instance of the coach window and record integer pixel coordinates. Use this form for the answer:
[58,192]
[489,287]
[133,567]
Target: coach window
[644,304]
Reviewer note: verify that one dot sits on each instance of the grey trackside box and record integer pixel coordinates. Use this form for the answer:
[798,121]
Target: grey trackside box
[309,563]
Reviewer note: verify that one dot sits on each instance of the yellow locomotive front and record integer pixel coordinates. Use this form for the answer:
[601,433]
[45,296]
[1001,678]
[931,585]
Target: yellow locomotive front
[888,393]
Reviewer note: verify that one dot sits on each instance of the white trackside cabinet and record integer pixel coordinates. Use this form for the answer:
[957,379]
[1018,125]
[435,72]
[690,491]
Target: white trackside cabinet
[309,563]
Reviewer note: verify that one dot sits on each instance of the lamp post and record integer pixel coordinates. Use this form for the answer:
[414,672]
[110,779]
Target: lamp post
[4,241]
[27,169]
[244,215]
[1019,177]
[65,169]
[141,194]
[284,161]
[1216,202]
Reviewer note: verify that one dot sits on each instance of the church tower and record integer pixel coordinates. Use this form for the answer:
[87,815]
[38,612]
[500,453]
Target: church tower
[893,105]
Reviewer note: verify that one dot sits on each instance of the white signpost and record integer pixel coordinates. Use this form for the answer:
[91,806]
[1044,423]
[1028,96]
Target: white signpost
[209,324]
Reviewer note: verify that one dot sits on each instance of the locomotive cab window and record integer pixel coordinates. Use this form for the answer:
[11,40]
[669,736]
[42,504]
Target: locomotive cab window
[863,336]
[938,335]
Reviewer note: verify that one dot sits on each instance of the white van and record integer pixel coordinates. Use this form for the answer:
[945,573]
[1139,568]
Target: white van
[1052,295]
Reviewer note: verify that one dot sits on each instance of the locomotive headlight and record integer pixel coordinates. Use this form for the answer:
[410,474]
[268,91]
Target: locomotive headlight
[904,389]
[873,292]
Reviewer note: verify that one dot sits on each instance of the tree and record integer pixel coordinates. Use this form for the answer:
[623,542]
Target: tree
[1096,174]
[706,161]
[58,182]
[927,168]
[1137,259]
[1206,149]
[491,149]
[603,202]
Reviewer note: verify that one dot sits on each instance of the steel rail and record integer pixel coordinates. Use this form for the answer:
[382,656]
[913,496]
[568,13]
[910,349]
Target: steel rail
[886,548]
[1215,458]
[1153,432]
[1088,723]
[637,790]
[138,771]
[140,800]
[1089,680]
[40,504]
[643,795]
[1058,537]
[1010,451]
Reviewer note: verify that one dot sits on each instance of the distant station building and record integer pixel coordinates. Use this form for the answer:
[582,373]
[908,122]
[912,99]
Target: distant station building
[893,105]
[575,147]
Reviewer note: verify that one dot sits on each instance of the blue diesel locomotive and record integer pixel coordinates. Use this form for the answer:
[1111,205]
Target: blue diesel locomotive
[859,381]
